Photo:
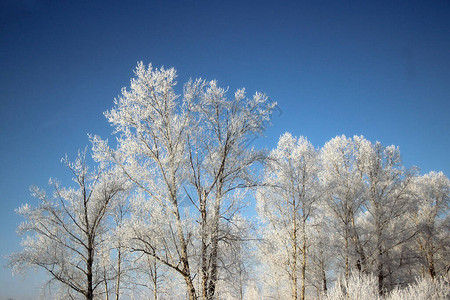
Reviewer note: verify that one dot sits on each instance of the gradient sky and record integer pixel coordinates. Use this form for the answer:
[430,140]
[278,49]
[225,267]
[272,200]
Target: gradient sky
[375,68]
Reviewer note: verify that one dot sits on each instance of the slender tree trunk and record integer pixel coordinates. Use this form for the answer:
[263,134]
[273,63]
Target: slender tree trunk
[89,275]
[324,278]
[302,294]
[204,269]
[241,286]
[380,261]
[380,271]
[204,254]
[379,250]
[361,260]
[215,243]
[90,249]
[119,271]
[184,257]
[106,284]
[214,252]
[294,285]
[155,281]
[294,251]
[191,289]
[152,264]
[183,245]
[294,269]
[431,268]
[346,256]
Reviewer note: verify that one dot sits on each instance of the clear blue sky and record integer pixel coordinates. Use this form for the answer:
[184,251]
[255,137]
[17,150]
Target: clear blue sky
[376,68]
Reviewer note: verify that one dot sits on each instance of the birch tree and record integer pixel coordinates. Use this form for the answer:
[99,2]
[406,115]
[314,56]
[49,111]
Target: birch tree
[221,164]
[117,252]
[343,191]
[388,200]
[433,222]
[287,202]
[65,233]
[152,127]
[323,249]
[180,151]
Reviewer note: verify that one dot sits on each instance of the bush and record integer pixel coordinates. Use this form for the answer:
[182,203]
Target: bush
[423,289]
[362,286]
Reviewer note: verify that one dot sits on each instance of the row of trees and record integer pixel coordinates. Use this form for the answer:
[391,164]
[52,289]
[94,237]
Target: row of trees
[349,207]
[163,206]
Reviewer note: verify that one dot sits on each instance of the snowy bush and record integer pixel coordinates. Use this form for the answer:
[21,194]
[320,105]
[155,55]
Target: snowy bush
[361,286]
[423,289]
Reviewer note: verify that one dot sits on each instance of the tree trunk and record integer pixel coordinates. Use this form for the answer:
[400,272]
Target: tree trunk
[155,283]
[431,268]
[346,256]
[90,291]
[324,279]
[184,257]
[302,294]
[213,269]
[89,275]
[241,286]
[191,289]
[119,262]
[183,245]
[152,263]
[379,240]
[294,251]
[215,243]
[294,269]
[380,268]
[106,284]
[361,260]
[204,254]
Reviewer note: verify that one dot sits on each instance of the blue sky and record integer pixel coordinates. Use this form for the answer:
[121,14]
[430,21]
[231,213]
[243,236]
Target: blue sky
[375,68]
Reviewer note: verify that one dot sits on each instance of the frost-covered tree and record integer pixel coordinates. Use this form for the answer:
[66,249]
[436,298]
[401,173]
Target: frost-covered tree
[343,191]
[433,222]
[387,195]
[65,233]
[180,151]
[322,250]
[152,126]
[287,202]
[117,253]
[236,261]
[273,272]
[221,165]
